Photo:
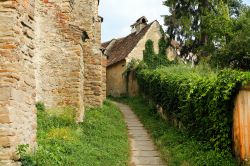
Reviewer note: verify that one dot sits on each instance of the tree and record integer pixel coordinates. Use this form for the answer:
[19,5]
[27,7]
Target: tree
[163,44]
[236,53]
[196,24]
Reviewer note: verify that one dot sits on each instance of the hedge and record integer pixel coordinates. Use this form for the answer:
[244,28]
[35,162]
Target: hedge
[202,101]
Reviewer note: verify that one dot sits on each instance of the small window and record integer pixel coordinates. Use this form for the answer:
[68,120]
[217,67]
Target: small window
[144,21]
[85,36]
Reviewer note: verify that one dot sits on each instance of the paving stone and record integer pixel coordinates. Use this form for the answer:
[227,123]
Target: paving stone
[138,132]
[142,138]
[142,147]
[134,125]
[136,128]
[145,153]
[147,160]
[141,143]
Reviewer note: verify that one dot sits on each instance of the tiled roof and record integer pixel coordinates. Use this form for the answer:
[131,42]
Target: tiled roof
[123,46]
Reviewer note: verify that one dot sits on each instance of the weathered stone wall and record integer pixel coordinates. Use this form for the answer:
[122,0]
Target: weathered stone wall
[93,82]
[17,78]
[68,53]
[49,52]
[59,55]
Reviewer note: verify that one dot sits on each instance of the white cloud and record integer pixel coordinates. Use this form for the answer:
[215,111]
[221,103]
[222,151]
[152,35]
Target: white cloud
[119,15]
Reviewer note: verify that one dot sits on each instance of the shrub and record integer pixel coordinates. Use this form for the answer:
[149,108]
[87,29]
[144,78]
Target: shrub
[203,103]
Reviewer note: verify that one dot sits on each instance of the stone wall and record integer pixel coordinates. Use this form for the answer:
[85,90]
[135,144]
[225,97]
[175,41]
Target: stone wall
[49,52]
[17,78]
[69,56]
[92,55]
[59,55]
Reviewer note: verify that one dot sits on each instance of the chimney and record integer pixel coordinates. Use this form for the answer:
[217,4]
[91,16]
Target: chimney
[139,25]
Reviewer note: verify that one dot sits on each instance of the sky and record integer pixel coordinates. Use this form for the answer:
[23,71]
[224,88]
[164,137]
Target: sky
[120,14]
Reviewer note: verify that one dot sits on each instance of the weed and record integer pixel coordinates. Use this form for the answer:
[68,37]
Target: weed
[40,106]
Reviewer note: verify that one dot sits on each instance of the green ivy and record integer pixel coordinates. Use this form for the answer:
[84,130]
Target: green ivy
[202,102]
[153,60]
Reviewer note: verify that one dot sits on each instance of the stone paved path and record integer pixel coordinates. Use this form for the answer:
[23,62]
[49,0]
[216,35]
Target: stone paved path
[143,152]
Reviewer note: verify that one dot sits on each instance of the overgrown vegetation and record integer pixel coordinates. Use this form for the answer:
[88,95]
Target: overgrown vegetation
[176,146]
[201,99]
[153,60]
[100,140]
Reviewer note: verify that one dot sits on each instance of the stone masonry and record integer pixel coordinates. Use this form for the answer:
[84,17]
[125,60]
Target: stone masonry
[49,52]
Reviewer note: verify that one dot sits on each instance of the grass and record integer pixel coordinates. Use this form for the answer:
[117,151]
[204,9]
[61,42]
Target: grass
[175,146]
[101,140]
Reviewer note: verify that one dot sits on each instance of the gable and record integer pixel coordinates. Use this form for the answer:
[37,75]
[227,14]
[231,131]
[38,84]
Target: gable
[122,47]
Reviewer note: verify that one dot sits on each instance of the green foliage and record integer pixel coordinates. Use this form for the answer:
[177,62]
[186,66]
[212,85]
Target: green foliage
[236,53]
[197,24]
[99,140]
[202,101]
[235,7]
[175,145]
[163,44]
[153,60]
[40,106]
[148,53]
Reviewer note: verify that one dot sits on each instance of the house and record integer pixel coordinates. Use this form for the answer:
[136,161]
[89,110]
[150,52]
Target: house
[121,51]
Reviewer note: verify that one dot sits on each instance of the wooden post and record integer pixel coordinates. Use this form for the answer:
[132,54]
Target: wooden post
[241,125]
